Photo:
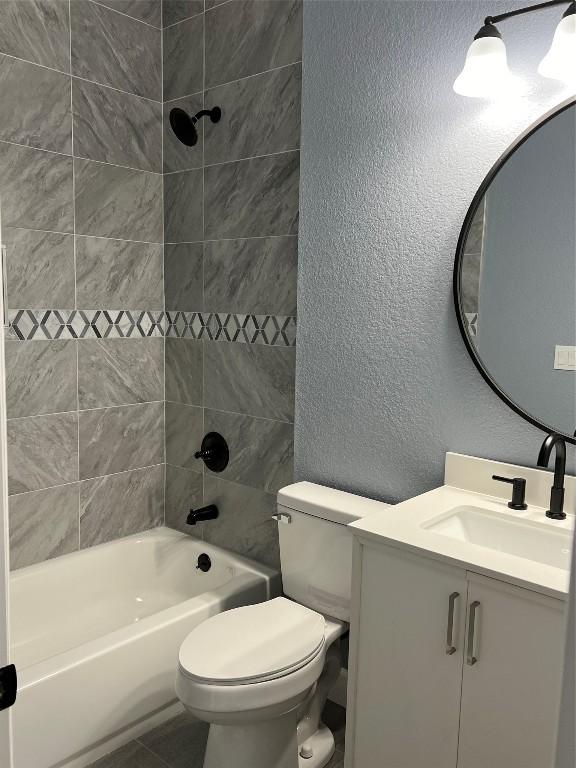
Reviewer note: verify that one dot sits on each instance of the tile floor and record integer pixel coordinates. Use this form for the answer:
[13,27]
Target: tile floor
[180,743]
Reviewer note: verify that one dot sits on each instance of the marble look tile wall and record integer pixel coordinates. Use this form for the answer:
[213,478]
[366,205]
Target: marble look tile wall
[82,216]
[231,223]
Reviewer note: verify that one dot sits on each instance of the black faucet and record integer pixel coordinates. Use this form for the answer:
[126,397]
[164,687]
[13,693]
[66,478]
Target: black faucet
[204,513]
[556,511]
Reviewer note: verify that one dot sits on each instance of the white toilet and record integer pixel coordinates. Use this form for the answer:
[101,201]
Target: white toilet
[261,674]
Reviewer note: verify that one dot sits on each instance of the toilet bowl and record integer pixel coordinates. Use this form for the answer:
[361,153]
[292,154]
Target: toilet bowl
[256,670]
[261,674]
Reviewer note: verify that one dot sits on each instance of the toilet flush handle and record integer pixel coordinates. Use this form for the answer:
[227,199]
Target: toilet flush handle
[282,517]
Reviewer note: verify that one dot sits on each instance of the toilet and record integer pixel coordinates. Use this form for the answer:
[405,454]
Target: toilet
[261,674]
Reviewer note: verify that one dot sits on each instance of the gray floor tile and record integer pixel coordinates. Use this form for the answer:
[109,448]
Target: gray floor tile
[133,755]
[180,743]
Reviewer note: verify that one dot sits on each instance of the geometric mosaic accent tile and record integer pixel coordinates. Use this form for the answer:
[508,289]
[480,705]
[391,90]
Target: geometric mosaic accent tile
[472,324]
[45,324]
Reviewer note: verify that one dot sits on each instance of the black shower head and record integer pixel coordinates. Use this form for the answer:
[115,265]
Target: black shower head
[184,126]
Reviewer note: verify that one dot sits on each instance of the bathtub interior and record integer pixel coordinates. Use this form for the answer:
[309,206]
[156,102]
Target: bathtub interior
[66,602]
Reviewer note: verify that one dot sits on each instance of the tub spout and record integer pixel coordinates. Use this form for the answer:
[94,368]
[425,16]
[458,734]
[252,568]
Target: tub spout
[204,513]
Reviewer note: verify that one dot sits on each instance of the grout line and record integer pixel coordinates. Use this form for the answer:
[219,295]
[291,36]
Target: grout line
[227,239]
[79,77]
[87,479]
[114,88]
[231,413]
[77,349]
[203,236]
[232,82]
[77,234]
[254,74]
[117,165]
[72,156]
[164,437]
[151,751]
[84,410]
[182,21]
[134,18]
[237,160]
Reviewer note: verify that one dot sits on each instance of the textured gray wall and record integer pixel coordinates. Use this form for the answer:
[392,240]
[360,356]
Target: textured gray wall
[391,158]
[527,296]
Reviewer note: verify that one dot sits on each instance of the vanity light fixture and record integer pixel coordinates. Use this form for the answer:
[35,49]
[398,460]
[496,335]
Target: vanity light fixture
[486,73]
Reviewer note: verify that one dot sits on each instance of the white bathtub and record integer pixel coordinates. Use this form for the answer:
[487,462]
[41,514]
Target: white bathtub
[95,638]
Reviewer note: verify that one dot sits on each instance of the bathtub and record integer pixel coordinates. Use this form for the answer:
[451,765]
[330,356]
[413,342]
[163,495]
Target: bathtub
[95,638]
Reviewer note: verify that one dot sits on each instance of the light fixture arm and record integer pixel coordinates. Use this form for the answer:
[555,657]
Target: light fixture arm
[526,9]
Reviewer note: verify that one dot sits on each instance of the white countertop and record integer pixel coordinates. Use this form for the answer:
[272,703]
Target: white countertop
[401,526]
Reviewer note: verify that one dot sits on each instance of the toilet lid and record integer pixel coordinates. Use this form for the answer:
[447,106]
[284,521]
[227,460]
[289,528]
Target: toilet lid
[253,643]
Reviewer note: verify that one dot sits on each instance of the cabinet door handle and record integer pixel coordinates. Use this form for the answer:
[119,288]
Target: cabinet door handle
[471,657]
[450,647]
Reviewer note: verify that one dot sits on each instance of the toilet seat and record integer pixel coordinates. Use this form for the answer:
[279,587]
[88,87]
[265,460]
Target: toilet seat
[253,644]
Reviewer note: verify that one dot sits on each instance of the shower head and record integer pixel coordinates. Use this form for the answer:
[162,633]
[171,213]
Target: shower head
[184,126]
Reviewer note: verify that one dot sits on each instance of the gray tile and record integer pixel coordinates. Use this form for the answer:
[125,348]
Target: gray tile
[180,742]
[184,364]
[470,281]
[261,115]
[35,106]
[40,378]
[120,371]
[120,505]
[183,493]
[183,277]
[36,30]
[184,432]
[43,524]
[245,522]
[251,276]
[183,207]
[117,127]
[40,269]
[250,36]
[184,58]
[177,156]
[149,11]
[115,50]
[252,197]
[118,202]
[121,438]
[116,274]
[174,11]
[476,233]
[261,450]
[42,452]
[132,755]
[248,378]
[25,202]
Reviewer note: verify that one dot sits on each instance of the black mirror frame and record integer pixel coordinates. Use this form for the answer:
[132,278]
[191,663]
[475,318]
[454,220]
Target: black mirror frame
[571,102]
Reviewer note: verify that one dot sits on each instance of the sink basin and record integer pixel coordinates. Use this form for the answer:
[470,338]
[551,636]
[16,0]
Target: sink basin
[531,540]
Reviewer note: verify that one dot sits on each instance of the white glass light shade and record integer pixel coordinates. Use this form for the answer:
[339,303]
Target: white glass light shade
[560,61]
[486,73]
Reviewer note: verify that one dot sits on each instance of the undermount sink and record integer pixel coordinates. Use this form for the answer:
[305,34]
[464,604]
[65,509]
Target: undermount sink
[531,540]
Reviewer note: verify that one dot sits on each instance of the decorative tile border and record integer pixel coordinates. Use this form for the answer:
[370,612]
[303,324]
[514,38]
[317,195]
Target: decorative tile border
[49,324]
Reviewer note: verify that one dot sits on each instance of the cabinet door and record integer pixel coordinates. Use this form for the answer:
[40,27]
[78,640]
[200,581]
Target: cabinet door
[407,687]
[511,693]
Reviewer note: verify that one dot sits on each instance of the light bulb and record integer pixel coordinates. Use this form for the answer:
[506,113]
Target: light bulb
[560,61]
[486,74]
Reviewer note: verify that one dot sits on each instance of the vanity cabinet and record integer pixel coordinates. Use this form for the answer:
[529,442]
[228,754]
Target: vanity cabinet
[449,669]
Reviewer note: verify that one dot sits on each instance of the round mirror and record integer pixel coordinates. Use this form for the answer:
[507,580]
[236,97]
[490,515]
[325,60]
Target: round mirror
[515,275]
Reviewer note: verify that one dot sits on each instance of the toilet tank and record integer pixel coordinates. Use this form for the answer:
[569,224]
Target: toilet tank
[316,544]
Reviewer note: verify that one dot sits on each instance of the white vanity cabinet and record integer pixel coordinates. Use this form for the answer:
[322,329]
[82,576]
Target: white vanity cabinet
[449,669]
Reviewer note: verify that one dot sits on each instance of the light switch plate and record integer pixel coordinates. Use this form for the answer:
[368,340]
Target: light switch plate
[565,358]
